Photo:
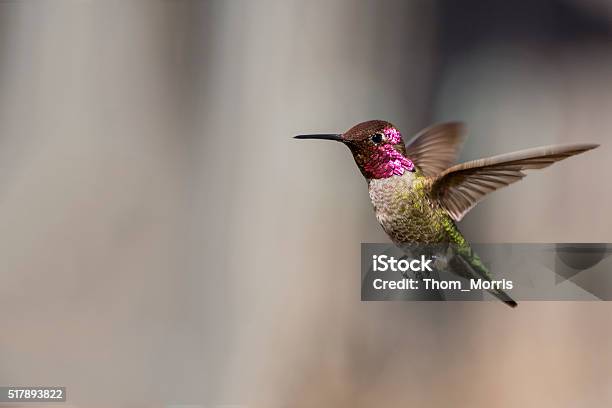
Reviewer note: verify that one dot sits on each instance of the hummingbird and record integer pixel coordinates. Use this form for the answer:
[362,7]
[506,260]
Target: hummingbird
[419,194]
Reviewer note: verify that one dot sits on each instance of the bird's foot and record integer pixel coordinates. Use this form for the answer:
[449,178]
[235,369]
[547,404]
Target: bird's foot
[440,262]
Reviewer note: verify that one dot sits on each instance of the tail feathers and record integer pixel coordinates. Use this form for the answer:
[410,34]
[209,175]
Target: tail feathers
[473,268]
[504,297]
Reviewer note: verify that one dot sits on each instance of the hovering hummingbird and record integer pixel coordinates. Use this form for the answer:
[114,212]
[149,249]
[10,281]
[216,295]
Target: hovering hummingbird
[418,195]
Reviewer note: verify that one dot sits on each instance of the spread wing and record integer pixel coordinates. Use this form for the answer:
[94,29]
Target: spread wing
[435,149]
[461,187]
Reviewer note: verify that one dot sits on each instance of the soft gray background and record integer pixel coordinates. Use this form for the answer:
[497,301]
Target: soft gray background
[164,241]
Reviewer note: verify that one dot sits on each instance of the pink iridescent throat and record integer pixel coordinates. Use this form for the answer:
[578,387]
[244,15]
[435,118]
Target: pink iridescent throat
[385,161]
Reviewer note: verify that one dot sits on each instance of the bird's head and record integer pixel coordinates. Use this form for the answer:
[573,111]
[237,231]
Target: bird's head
[377,147]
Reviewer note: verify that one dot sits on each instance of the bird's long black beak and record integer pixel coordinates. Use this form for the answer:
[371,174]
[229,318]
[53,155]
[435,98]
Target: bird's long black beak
[328,136]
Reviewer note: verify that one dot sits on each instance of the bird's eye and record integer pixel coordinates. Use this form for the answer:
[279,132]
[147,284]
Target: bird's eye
[376,138]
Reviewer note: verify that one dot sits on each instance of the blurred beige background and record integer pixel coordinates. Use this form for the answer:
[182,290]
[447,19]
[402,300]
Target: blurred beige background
[164,242]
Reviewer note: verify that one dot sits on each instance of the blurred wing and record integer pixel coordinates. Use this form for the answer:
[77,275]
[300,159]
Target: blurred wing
[461,187]
[435,149]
